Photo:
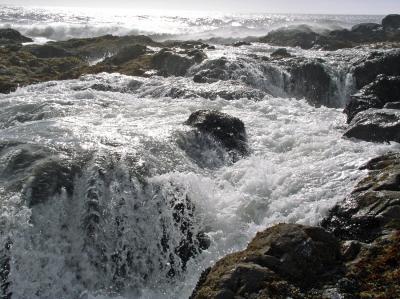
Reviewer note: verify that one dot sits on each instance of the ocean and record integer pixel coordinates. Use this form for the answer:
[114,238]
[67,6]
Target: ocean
[138,159]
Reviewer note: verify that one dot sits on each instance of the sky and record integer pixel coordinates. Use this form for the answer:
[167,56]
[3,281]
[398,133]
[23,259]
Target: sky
[271,6]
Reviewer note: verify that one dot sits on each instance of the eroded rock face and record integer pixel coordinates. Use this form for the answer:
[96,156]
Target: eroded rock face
[382,91]
[375,125]
[282,261]
[373,206]
[387,63]
[228,130]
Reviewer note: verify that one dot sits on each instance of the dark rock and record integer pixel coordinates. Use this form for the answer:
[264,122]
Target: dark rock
[241,43]
[368,211]
[387,63]
[294,36]
[309,79]
[169,63]
[377,94]
[228,130]
[276,263]
[49,177]
[375,125]
[232,91]
[366,27]
[391,22]
[281,53]
[197,55]
[213,71]
[126,53]
[48,51]
[10,36]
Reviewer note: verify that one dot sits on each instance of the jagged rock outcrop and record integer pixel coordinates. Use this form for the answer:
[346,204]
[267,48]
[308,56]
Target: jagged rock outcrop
[375,125]
[386,63]
[129,55]
[228,130]
[286,260]
[384,90]
[11,36]
[355,257]
[374,204]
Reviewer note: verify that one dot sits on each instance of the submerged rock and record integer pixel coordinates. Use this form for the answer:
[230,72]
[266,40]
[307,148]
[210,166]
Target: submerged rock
[377,94]
[226,129]
[375,125]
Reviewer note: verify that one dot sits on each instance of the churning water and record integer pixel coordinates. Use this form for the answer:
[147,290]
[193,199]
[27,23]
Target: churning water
[107,194]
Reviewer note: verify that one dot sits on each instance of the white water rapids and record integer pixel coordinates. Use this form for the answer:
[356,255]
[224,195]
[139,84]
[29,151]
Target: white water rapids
[103,192]
[298,168]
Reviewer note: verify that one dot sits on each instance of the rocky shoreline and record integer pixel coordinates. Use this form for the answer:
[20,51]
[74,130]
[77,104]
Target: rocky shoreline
[354,252]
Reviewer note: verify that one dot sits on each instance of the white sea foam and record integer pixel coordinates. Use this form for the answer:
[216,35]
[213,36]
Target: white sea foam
[298,168]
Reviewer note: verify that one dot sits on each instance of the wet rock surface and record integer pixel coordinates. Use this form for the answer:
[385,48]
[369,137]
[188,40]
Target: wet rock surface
[228,130]
[383,91]
[354,255]
[375,125]
[386,63]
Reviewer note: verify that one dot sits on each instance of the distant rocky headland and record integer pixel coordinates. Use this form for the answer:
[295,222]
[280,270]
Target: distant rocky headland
[354,253]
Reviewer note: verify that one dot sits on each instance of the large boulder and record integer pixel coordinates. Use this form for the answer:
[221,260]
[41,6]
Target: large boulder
[228,130]
[377,94]
[279,262]
[10,36]
[391,22]
[126,53]
[387,63]
[293,36]
[169,63]
[375,125]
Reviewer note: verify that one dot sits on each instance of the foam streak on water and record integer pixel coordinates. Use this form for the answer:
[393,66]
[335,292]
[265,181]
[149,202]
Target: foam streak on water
[136,171]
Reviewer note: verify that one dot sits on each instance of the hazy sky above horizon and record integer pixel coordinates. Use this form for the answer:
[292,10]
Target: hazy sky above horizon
[273,6]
